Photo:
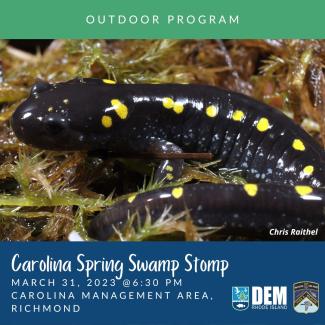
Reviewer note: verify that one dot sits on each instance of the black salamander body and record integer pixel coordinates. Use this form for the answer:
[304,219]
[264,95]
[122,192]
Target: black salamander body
[249,210]
[284,166]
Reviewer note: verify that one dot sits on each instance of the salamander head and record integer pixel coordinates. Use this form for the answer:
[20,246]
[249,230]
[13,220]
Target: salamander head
[58,117]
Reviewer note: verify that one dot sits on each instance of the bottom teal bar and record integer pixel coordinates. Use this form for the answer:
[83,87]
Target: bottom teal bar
[162,283]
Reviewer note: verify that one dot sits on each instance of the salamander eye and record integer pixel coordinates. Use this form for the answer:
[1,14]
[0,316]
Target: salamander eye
[54,126]
[40,86]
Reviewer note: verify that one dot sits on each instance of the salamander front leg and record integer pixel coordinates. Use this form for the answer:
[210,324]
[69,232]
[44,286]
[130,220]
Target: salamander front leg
[169,169]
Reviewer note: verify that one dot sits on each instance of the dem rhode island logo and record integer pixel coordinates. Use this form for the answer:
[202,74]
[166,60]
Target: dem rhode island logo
[306,297]
[240,298]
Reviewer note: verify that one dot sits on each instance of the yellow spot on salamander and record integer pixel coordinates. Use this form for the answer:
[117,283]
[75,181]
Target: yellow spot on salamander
[211,111]
[263,124]
[177,192]
[303,189]
[107,121]
[251,189]
[109,81]
[308,170]
[120,109]
[50,109]
[297,144]
[168,102]
[238,116]
[131,198]
[66,101]
[169,168]
[169,176]
[178,108]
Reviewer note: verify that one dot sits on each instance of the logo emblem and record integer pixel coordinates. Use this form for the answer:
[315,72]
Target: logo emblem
[306,297]
[240,298]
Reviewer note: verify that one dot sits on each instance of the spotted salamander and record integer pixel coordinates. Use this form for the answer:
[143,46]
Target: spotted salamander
[284,167]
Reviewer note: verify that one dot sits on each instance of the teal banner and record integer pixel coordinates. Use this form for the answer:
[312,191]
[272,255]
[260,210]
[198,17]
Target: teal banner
[167,19]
